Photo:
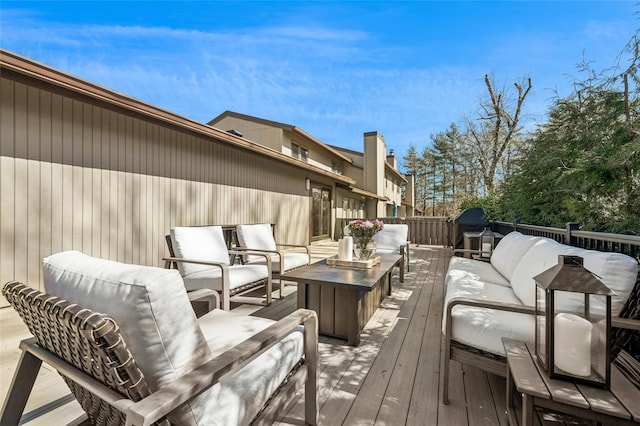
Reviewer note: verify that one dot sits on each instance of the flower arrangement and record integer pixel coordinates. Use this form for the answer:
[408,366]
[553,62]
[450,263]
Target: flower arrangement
[362,232]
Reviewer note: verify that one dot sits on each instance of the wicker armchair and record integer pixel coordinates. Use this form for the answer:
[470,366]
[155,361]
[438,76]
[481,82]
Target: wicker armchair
[115,387]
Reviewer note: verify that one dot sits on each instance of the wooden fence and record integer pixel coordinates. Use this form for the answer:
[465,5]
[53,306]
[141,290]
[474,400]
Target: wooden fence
[434,231]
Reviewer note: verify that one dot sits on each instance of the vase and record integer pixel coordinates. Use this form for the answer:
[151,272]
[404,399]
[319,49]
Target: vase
[364,249]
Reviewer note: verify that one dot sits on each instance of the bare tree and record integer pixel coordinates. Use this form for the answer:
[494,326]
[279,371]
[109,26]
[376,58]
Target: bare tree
[497,127]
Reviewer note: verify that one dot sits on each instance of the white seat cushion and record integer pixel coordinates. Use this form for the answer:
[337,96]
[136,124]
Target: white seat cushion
[485,328]
[198,243]
[509,252]
[392,236]
[239,275]
[258,236]
[462,267]
[237,399]
[149,304]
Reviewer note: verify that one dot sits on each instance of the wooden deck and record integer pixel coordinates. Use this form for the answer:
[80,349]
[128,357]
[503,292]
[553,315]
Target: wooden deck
[391,378]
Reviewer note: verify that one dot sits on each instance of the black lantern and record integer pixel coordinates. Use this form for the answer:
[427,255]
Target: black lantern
[487,242]
[573,323]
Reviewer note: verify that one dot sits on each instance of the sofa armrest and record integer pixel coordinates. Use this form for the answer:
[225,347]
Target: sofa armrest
[207,295]
[165,400]
[627,323]
[486,304]
[489,304]
[259,252]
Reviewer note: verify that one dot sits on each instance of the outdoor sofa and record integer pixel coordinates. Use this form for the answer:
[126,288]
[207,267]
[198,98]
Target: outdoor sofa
[486,301]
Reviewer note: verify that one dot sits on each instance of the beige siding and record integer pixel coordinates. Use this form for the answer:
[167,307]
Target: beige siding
[355,173]
[257,132]
[75,175]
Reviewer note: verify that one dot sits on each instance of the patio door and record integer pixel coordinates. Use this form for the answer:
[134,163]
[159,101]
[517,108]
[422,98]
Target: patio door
[320,212]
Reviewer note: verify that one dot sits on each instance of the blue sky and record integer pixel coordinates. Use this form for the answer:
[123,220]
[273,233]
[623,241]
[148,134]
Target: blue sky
[334,69]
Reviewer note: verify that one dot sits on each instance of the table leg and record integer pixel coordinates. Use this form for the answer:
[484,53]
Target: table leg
[302,296]
[354,308]
[527,410]
[511,420]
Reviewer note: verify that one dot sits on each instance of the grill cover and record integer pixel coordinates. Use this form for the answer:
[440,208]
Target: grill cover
[470,220]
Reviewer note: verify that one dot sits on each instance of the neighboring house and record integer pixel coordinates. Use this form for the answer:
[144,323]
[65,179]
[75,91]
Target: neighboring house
[86,168]
[377,187]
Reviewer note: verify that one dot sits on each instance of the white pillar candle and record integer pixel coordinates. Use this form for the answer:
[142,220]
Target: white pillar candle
[486,249]
[348,248]
[341,249]
[572,342]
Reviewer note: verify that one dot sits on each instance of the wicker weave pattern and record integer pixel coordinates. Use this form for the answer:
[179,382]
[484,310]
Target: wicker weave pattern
[89,341]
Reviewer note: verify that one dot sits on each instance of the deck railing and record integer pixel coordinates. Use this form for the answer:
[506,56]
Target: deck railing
[573,236]
[439,231]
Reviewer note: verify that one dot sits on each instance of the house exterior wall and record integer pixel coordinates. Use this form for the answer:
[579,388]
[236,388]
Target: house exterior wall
[280,139]
[317,157]
[254,131]
[79,174]
[392,189]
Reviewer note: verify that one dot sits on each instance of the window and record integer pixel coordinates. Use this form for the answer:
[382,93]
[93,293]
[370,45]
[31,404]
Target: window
[352,208]
[299,152]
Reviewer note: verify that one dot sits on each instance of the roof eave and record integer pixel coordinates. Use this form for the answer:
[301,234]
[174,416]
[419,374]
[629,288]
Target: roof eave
[395,172]
[38,71]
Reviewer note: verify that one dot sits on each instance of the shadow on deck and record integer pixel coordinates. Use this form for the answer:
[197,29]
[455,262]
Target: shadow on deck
[391,378]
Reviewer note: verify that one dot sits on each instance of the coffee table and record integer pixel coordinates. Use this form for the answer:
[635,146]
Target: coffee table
[343,297]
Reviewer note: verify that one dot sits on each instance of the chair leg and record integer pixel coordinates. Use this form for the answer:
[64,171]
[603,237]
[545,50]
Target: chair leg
[445,372]
[20,389]
[445,382]
[311,359]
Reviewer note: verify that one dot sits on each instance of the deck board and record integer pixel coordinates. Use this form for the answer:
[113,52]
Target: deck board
[424,397]
[391,378]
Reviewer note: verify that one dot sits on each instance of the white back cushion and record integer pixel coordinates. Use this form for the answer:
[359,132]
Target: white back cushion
[617,271]
[392,236]
[540,257]
[509,252]
[149,304]
[259,236]
[199,243]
